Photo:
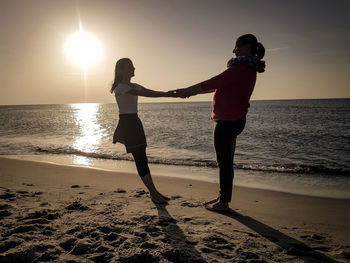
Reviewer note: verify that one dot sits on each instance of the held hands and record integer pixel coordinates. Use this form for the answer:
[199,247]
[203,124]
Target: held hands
[179,93]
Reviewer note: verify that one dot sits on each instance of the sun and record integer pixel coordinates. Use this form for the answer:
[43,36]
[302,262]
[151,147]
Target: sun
[83,48]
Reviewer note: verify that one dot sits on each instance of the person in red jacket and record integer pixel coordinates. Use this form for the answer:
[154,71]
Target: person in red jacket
[232,91]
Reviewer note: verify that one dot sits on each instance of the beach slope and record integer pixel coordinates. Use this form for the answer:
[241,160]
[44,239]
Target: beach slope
[59,213]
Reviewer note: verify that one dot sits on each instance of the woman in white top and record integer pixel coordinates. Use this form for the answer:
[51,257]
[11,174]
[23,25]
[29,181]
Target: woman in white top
[130,130]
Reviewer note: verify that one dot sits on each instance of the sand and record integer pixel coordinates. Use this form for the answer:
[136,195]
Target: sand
[56,213]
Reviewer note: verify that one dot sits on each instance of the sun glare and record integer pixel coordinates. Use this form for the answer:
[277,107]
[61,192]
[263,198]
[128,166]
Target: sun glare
[83,48]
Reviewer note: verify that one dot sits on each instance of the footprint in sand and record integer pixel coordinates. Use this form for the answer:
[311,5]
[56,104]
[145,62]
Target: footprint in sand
[207,250]
[191,241]
[44,204]
[22,192]
[74,230]
[200,222]
[118,242]
[218,243]
[317,237]
[110,229]
[28,184]
[68,243]
[102,248]
[165,221]
[45,214]
[82,247]
[182,255]
[76,205]
[249,255]
[119,191]
[153,231]
[139,237]
[188,204]
[48,231]
[86,233]
[5,206]
[77,246]
[149,245]
[144,219]
[49,256]
[143,256]
[140,193]
[26,228]
[25,194]
[175,197]
[7,195]
[32,253]
[187,219]
[104,257]
[4,212]
[8,244]
[111,237]
[40,221]
[322,248]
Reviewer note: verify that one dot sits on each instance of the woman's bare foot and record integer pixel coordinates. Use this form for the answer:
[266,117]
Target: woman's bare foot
[156,197]
[218,206]
[212,201]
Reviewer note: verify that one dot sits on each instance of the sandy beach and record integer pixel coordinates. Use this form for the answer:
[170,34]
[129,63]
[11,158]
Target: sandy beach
[57,213]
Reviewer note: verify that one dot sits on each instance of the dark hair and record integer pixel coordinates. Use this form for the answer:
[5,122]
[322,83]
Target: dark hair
[117,76]
[256,48]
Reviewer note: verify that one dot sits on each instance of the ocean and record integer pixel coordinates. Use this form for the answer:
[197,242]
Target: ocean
[298,146]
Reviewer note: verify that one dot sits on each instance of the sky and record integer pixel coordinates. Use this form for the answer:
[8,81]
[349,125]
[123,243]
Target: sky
[173,44]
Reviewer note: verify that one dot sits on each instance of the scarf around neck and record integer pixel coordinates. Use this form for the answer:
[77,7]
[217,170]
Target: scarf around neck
[250,61]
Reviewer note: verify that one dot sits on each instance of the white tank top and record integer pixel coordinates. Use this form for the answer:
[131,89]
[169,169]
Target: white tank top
[127,103]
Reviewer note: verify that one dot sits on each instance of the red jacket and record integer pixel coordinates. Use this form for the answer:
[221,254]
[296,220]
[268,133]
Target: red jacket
[233,89]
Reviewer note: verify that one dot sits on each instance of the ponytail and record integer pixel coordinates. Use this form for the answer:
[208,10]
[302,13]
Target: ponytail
[260,50]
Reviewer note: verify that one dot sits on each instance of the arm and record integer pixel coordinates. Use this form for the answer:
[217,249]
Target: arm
[190,91]
[207,86]
[194,89]
[149,93]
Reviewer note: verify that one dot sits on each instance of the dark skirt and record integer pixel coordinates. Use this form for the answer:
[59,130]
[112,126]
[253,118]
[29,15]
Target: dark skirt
[130,132]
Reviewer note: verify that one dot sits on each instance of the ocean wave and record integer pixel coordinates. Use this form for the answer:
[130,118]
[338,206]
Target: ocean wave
[286,168]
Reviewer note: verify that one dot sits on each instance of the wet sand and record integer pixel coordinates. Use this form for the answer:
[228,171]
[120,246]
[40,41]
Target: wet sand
[57,213]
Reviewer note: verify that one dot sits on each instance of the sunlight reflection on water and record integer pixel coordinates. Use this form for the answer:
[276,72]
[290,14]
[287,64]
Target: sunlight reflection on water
[90,130]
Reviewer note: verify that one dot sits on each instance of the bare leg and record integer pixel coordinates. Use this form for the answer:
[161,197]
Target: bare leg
[165,197]
[141,162]
[155,195]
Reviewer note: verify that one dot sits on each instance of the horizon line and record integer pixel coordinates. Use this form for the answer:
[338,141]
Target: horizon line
[148,102]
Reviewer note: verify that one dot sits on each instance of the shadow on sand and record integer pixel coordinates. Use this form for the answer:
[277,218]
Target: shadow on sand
[292,246]
[182,248]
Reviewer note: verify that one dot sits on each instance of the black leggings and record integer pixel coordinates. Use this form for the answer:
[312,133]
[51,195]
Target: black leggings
[225,133]
[141,161]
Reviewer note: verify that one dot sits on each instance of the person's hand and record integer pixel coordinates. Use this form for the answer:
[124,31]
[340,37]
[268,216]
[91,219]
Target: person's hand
[171,94]
[179,93]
